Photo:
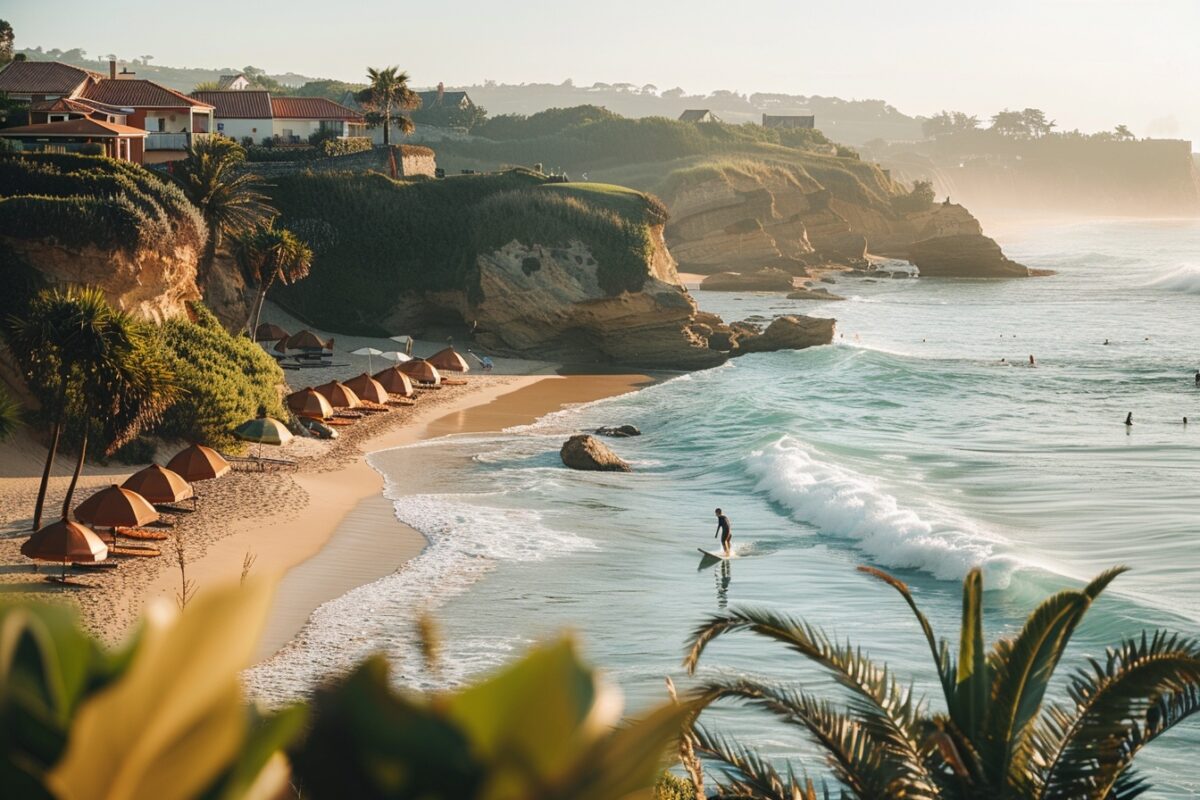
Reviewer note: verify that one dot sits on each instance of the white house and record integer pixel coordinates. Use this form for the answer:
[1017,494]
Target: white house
[241,113]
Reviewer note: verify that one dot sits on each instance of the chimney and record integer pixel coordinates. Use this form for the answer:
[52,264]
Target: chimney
[112,69]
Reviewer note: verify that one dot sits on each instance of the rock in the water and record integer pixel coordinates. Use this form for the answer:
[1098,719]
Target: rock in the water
[618,431]
[963,256]
[584,451]
[768,279]
[819,293]
[789,333]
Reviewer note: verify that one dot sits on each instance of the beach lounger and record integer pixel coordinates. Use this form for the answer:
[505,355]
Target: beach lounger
[121,551]
[454,382]
[141,533]
[95,565]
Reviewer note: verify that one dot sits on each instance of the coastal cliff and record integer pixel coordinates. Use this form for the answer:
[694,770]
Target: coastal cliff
[747,215]
[80,219]
[530,267]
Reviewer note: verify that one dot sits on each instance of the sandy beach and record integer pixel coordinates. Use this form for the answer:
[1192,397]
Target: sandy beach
[323,528]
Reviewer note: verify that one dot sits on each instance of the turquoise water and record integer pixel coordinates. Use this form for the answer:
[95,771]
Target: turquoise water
[907,445]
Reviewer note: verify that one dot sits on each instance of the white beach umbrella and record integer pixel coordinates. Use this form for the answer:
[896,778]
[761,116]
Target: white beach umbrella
[407,341]
[398,357]
[368,352]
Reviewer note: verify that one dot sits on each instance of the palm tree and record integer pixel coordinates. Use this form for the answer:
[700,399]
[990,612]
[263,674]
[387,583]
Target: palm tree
[86,360]
[997,738]
[268,254]
[230,199]
[10,414]
[387,95]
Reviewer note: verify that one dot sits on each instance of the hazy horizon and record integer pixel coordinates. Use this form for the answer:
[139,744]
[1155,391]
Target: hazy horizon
[1090,64]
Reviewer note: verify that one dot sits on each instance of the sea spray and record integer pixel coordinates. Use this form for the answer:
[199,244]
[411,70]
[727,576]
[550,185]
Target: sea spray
[841,503]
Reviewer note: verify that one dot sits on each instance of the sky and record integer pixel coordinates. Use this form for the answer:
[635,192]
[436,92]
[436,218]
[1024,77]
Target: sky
[1090,64]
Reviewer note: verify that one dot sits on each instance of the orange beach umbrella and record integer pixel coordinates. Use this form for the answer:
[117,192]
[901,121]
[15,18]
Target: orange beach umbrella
[116,507]
[449,360]
[158,485]
[269,332]
[421,371]
[198,463]
[339,395]
[367,388]
[309,403]
[395,382]
[65,541]
[305,340]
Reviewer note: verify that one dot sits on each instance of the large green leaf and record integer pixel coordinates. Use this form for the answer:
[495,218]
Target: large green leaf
[971,693]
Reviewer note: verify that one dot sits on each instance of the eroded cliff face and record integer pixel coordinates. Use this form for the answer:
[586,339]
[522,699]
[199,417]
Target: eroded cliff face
[547,301]
[743,220]
[153,284]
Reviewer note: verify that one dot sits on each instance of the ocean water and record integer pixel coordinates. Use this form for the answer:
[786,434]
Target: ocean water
[908,445]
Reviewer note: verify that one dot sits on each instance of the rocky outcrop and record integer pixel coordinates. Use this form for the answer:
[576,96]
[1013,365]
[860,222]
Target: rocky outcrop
[817,293]
[767,279]
[618,431]
[586,452]
[963,256]
[789,333]
[152,284]
[548,302]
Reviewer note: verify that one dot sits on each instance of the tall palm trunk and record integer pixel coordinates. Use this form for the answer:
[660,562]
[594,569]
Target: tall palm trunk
[387,123]
[66,508]
[51,453]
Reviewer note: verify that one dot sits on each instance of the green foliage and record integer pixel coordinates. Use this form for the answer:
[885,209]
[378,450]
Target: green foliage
[998,736]
[165,717]
[920,198]
[385,100]
[228,198]
[380,238]
[345,146]
[224,378]
[11,414]
[672,787]
[85,200]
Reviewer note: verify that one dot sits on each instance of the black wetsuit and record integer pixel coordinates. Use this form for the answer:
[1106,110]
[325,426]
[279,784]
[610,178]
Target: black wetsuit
[723,529]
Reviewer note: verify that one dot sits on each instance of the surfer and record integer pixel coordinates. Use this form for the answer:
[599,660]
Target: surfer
[1032,363]
[723,531]
[1198,377]
[1129,419]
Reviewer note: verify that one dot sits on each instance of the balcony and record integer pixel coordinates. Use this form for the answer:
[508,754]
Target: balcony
[171,141]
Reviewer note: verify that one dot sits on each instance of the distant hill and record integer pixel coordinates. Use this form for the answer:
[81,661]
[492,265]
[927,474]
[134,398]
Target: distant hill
[183,79]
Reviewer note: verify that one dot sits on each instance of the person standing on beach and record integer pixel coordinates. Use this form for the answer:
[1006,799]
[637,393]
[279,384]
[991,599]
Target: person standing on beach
[723,530]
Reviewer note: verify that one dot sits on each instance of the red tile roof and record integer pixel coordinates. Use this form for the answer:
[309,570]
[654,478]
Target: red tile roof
[139,93]
[43,77]
[75,127]
[233,104]
[311,108]
[82,105]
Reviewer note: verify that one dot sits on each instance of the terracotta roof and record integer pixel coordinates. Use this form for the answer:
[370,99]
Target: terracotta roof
[75,127]
[235,104]
[81,105]
[311,108]
[139,94]
[43,77]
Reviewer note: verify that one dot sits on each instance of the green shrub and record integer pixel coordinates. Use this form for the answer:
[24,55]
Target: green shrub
[268,152]
[344,147]
[672,787]
[225,380]
[919,199]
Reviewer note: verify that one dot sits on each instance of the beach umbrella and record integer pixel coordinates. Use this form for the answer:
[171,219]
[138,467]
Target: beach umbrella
[281,346]
[269,332]
[263,430]
[65,541]
[158,485]
[339,395]
[421,371]
[309,403]
[198,463]
[367,388]
[407,341]
[305,340]
[395,382]
[396,356]
[116,507]
[368,352]
[449,360]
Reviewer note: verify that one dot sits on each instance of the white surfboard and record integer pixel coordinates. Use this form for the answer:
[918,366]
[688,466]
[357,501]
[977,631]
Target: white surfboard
[713,556]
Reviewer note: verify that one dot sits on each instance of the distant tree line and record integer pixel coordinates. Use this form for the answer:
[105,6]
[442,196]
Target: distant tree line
[1030,123]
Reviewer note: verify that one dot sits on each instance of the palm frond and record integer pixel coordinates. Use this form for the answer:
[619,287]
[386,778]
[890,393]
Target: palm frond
[746,773]
[1143,688]
[867,761]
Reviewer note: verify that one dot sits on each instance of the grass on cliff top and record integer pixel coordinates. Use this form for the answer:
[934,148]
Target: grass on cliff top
[375,239]
[78,201]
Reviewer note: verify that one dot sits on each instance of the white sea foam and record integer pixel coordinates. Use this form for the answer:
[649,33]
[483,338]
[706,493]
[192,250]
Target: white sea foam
[842,503]
[1183,278]
[466,539]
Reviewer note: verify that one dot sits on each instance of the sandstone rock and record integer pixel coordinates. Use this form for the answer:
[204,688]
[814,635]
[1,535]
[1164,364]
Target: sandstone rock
[790,333]
[819,293]
[618,431]
[767,279]
[722,341]
[589,453]
[963,256]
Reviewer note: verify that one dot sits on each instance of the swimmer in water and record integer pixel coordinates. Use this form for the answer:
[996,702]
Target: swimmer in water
[1032,363]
